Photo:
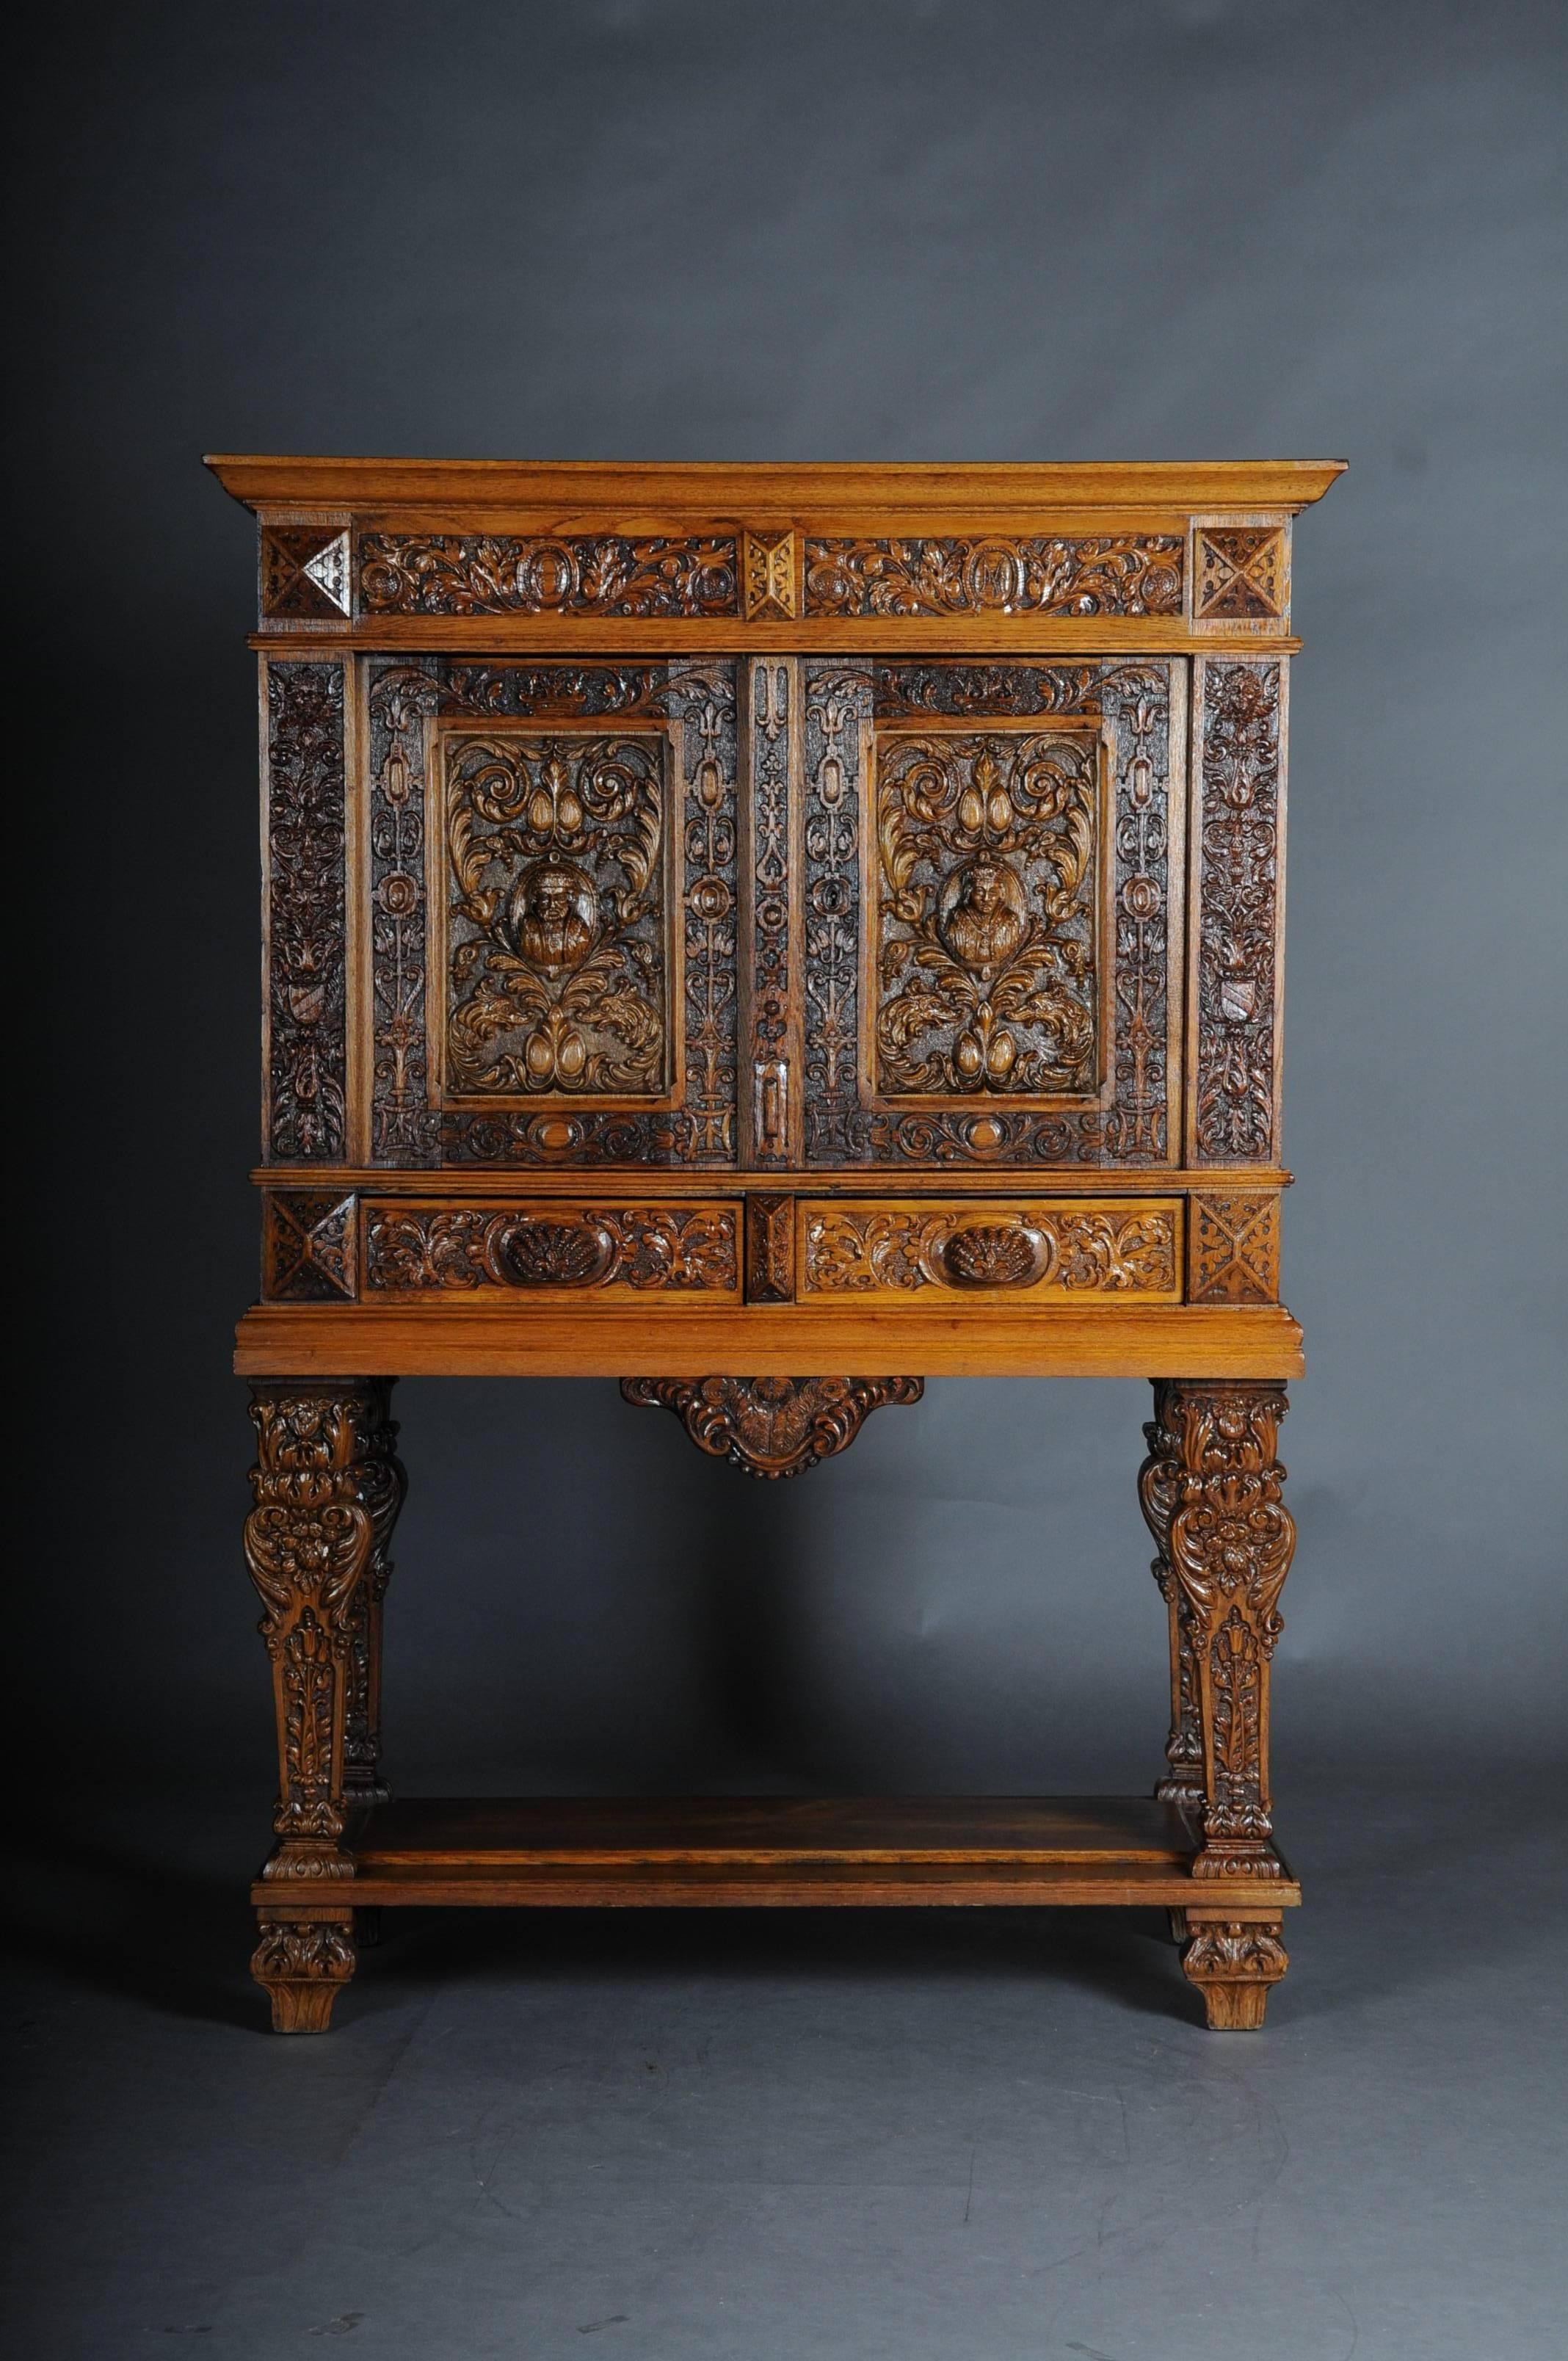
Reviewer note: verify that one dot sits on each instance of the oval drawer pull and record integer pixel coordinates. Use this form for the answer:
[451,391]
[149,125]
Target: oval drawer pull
[994,1253]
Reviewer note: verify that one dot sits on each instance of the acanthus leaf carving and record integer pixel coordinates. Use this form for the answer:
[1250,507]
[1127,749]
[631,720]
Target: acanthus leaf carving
[570,573]
[1238,817]
[772,1427]
[1117,574]
[1095,1249]
[685,1249]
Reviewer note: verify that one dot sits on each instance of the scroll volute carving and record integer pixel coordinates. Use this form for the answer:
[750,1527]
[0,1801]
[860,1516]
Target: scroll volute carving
[772,1427]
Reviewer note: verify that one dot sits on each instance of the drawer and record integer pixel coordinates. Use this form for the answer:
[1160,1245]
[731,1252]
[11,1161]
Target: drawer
[598,1248]
[902,1250]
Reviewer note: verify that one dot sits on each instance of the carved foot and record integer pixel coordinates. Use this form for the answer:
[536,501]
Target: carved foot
[772,1426]
[1232,1962]
[303,1964]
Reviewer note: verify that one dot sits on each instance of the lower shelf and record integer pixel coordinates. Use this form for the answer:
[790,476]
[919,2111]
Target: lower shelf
[784,1851]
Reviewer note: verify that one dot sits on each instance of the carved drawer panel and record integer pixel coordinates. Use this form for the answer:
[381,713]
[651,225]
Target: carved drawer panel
[605,1247]
[987,1249]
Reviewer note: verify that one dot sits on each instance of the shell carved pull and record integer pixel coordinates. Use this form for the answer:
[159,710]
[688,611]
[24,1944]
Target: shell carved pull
[993,1253]
[551,1254]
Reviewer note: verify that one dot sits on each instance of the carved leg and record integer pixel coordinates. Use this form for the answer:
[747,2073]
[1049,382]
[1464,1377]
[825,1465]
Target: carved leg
[1230,1548]
[327,1486]
[303,1964]
[364,1781]
[1158,1481]
[1232,1962]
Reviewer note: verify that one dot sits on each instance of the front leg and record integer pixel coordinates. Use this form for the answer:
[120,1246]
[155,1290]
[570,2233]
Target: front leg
[326,1486]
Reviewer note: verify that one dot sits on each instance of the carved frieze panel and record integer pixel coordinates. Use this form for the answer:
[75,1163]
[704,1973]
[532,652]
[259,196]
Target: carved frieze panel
[1234,1117]
[305,573]
[417,1249]
[510,574]
[1233,1249]
[309,1246]
[772,1426]
[569,923]
[1241,575]
[986,932]
[557,959]
[306,1015]
[1032,849]
[1127,1247]
[1121,574]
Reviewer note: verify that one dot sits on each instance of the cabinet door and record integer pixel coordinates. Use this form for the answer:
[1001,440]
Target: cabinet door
[551,889]
[989,942]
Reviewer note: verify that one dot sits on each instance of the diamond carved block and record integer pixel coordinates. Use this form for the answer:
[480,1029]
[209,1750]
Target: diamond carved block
[309,1247]
[1241,575]
[306,572]
[768,574]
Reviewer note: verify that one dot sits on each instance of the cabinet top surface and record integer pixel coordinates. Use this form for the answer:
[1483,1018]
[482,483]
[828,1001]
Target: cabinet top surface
[272,481]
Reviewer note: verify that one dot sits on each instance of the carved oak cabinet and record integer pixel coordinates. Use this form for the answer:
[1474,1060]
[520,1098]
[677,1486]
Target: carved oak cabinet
[772,935]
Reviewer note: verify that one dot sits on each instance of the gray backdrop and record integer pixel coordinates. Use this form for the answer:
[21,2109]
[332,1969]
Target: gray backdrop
[899,229]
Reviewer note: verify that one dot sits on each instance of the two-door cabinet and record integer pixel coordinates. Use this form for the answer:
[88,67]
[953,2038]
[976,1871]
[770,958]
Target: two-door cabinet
[771,934]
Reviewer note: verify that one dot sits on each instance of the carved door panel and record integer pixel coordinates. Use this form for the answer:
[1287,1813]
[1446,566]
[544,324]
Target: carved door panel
[988,932]
[551,913]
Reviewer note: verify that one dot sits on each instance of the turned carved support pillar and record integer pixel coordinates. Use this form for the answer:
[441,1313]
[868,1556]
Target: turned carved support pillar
[1159,1480]
[1229,1548]
[327,1488]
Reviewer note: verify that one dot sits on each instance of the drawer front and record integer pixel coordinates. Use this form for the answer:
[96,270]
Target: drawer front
[594,1251]
[987,1250]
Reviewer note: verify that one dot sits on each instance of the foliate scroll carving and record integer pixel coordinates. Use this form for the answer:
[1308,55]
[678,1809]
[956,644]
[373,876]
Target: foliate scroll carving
[1122,573]
[772,1426]
[327,1485]
[1234,1962]
[683,1248]
[1159,1484]
[1133,700]
[558,918]
[770,1249]
[408,702]
[309,1247]
[1230,1548]
[768,575]
[1095,1250]
[573,574]
[303,1964]
[987,942]
[1233,1249]
[304,573]
[1238,818]
[1242,573]
[306,1042]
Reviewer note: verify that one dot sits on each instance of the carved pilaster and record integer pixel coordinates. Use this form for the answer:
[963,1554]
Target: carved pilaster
[327,1486]
[1233,1963]
[1159,1483]
[1231,1539]
[303,1964]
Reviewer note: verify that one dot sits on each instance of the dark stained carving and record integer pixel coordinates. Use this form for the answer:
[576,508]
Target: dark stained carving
[1123,574]
[508,573]
[843,1126]
[1231,1539]
[415,1249]
[306,1050]
[1238,822]
[770,1249]
[772,1426]
[1159,1483]
[773,723]
[1235,1963]
[1093,1249]
[304,573]
[1233,1249]
[557,921]
[327,1486]
[409,1126]
[303,1964]
[1243,574]
[987,939]
[309,1246]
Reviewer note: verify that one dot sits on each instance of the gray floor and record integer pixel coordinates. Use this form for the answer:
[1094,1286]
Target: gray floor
[964,2135]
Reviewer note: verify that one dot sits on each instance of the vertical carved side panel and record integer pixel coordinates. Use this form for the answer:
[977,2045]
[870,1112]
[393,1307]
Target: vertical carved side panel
[837,716]
[1159,1483]
[327,1488]
[1238,876]
[770,951]
[306,1061]
[1230,1548]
